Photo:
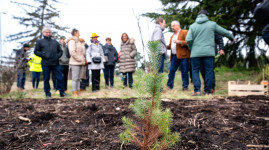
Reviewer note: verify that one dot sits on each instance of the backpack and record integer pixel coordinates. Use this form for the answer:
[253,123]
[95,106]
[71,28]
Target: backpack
[261,13]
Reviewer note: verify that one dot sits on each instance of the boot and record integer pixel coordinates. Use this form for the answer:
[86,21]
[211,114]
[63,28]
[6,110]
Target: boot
[75,94]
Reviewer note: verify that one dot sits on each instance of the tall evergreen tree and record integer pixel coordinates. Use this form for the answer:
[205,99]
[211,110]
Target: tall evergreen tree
[234,15]
[37,15]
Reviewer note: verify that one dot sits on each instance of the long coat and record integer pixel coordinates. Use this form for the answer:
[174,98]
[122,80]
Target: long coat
[95,50]
[127,56]
[76,51]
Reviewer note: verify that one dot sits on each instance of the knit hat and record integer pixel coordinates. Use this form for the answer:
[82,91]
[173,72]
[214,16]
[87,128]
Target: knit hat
[26,45]
[203,12]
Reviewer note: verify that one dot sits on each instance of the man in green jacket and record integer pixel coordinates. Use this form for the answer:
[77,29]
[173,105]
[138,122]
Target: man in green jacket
[201,41]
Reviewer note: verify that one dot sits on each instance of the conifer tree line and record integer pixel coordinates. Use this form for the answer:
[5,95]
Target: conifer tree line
[234,15]
[36,15]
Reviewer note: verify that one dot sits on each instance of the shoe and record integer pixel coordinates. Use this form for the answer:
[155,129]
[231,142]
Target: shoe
[66,91]
[213,91]
[196,94]
[81,90]
[75,94]
[57,92]
[48,97]
[208,94]
[185,89]
[64,95]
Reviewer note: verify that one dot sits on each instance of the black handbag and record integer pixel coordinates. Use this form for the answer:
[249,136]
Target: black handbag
[96,60]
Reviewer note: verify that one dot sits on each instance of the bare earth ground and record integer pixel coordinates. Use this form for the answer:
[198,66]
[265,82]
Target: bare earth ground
[225,123]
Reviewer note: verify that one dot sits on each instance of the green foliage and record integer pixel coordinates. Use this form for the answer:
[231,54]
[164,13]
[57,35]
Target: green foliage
[239,20]
[152,128]
[37,15]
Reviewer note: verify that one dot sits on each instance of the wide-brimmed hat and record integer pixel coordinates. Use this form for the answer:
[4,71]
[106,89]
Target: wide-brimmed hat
[94,35]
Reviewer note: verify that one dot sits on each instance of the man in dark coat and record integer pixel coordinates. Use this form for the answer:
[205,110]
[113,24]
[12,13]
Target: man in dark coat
[50,52]
[21,66]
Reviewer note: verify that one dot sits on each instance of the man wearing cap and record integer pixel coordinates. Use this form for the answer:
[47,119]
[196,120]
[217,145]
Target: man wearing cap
[64,62]
[157,35]
[201,42]
[50,52]
[21,66]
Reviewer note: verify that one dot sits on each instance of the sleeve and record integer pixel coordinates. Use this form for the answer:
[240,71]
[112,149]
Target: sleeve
[59,50]
[219,41]
[134,51]
[184,43]
[88,54]
[189,38]
[157,36]
[73,52]
[223,32]
[38,51]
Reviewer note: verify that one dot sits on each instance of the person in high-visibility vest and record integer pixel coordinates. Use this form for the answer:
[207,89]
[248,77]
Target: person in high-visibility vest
[35,68]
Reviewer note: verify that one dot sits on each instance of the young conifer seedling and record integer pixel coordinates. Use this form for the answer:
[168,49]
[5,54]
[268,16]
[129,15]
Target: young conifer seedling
[150,128]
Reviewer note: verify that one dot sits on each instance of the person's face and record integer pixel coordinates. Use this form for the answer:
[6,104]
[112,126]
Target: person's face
[124,38]
[26,48]
[108,42]
[163,24]
[47,33]
[175,27]
[77,34]
[94,38]
[62,41]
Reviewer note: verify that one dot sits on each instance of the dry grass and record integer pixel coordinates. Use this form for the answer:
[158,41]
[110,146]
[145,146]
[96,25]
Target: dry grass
[120,92]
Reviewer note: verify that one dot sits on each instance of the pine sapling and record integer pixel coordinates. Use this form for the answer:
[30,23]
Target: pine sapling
[150,129]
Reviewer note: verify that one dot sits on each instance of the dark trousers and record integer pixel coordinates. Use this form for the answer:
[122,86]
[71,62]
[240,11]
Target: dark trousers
[21,80]
[54,82]
[35,79]
[109,75]
[56,71]
[95,80]
[184,65]
[208,67]
[130,79]
[64,70]
[265,37]
[162,58]
[85,82]
[203,74]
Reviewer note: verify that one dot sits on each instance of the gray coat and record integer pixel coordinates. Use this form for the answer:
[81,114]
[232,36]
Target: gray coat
[127,56]
[63,59]
[95,51]
[157,35]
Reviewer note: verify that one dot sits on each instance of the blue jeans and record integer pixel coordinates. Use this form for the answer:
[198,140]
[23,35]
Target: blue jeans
[35,79]
[208,65]
[56,71]
[162,58]
[21,80]
[184,65]
[109,75]
[265,36]
[203,74]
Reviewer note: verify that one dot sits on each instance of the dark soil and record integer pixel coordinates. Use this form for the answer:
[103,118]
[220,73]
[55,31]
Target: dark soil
[231,123]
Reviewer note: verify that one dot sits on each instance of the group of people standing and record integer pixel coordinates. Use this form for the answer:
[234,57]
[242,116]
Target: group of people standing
[193,50]
[73,59]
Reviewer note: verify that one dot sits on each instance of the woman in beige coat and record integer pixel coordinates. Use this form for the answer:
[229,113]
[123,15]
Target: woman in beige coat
[127,59]
[77,60]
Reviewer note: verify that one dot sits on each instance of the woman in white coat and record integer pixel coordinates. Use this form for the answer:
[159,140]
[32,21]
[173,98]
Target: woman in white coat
[95,58]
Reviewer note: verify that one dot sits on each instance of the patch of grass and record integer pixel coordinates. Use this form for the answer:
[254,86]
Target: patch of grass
[223,75]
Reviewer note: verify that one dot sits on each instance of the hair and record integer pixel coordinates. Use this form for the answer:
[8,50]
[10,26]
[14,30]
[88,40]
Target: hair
[126,35]
[158,20]
[81,40]
[108,38]
[175,22]
[62,38]
[74,31]
[45,29]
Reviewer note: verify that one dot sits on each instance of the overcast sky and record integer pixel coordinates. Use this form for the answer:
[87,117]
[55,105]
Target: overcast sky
[107,18]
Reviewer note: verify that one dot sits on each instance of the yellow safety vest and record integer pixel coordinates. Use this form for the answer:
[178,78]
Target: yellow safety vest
[35,63]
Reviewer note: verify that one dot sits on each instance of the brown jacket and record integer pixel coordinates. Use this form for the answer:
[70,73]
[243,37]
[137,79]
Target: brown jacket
[127,56]
[182,49]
